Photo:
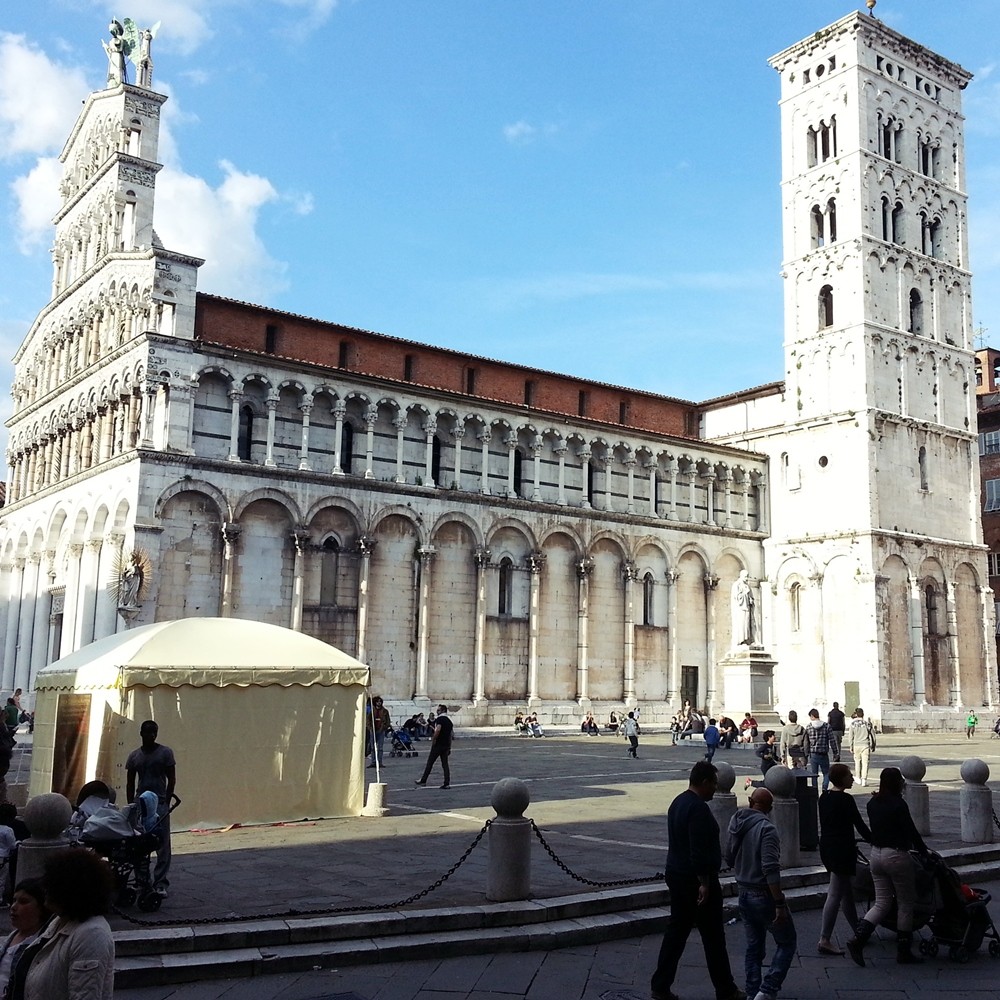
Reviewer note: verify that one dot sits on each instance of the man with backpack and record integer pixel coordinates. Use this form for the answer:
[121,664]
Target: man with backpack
[861,740]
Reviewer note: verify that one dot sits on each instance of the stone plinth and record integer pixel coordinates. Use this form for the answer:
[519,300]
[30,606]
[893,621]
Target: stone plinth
[748,680]
[976,803]
[916,793]
[508,874]
[47,817]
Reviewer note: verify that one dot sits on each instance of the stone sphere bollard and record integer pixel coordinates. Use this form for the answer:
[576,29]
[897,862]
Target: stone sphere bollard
[916,793]
[46,816]
[723,804]
[508,871]
[780,782]
[976,803]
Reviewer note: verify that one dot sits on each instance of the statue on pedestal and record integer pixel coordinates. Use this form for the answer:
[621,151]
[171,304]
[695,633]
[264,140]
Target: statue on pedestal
[742,604]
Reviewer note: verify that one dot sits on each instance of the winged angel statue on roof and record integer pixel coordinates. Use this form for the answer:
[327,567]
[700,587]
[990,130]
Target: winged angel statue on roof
[128,42]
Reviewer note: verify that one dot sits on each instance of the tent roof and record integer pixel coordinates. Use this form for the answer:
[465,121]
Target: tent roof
[200,652]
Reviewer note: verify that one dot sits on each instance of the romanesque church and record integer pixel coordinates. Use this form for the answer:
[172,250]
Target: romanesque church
[494,536]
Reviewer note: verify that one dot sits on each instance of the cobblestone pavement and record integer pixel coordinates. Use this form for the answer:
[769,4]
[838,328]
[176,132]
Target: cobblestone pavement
[602,812]
[615,970]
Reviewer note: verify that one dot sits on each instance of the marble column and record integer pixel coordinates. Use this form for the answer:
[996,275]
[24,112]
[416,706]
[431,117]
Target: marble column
[585,455]
[917,642]
[481,558]
[25,630]
[366,544]
[305,409]
[399,422]
[628,571]
[235,398]
[230,536]
[371,418]
[14,572]
[560,448]
[426,556]
[272,412]
[584,567]
[300,539]
[339,411]
[458,433]
[535,562]
[707,684]
[674,668]
[484,438]
[955,694]
[430,430]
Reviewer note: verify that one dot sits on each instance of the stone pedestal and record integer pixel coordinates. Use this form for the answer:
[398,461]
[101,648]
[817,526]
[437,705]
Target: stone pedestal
[47,817]
[976,803]
[780,782]
[376,803]
[723,804]
[748,681]
[916,793]
[508,872]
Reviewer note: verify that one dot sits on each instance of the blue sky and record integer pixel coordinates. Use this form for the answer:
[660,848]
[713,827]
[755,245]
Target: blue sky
[589,187]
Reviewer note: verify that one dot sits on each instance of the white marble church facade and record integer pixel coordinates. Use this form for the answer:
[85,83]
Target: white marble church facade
[490,535]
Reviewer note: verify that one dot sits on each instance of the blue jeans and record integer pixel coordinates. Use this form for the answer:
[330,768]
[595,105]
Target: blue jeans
[757,911]
[821,762]
[710,751]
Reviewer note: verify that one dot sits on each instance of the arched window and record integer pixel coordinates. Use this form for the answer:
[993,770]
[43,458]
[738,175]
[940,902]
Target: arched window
[979,372]
[436,460]
[518,471]
[795,606]
[930,598]
[933,238]
[329,568]
[825,307]
[244,443]
[505,597]
[831,219]
[647,599]
[346,447]
[816,226]
[898,231]
[590,483]
[916,323]
[886,219]
[922,467]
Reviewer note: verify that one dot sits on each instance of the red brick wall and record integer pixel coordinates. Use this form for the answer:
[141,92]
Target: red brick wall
[244,327]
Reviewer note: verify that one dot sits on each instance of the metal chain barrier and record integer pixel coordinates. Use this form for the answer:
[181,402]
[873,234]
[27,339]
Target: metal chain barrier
[325,911]
[658,877]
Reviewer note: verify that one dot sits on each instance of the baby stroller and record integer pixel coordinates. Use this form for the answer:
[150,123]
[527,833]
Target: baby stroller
[928,900]
[962,921]
[401,743]
[125,838]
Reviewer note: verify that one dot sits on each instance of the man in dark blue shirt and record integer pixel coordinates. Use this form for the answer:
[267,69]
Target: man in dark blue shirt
[694,857]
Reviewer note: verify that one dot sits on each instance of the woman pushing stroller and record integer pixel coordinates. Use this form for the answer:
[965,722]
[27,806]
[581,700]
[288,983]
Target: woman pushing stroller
[894,835]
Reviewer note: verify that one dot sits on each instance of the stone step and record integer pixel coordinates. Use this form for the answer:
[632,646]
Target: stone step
[160,955]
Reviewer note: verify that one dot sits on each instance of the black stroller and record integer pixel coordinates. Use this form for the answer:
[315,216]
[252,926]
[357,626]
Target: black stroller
[401,743]
[962,922]
[125,838]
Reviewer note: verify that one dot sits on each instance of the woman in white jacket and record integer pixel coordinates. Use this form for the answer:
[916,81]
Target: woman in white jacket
[74,959]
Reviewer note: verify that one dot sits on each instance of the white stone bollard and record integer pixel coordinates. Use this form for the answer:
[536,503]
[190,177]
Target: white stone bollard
[916,793]
[46,816]
[375,805]
[508,872]
[723,803]
[976,803]
[780,782]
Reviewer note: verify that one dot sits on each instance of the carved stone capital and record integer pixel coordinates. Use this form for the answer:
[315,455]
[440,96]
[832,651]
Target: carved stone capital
[366,544]
[481,556]
[535,561]
[584,567]
[711,581]
[231,532]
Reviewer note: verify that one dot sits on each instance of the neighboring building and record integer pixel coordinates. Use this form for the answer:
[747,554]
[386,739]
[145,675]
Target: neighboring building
[988,402]
[488,534]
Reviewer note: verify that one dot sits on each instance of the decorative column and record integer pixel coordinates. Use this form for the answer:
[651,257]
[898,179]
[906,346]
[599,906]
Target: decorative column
[430,429]
[305,409]
[709,478]
[535,560]
[458,433]
[484,437]
[651,466]
[399,422]
[15,577]
[604,465]
[986,609]
[629,573]
[629,463]
[134,413]
[584,567]
[511,441]
[235,398]
[815,581]
[481,558]
[300,539]
[426,555]
[25,630]
[148,410]
[107,419]
[71,605]
[917,642]
[692,474]
[672,469]
[536,453]
[230,535]
[371,418]
[560,449]
[674,668]
[87,593]
[585,454]
[706,684]
[272,412]
[727,484]
[106,610]
[954,674]
[366,544]
[762,518]
[339,411]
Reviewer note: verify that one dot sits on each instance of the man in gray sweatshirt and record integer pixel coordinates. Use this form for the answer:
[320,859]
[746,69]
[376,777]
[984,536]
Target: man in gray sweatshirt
[754,852]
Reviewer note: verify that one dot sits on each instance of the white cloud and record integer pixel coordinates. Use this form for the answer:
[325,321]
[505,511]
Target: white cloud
[220,224]
[39,99]
[37,196]
[314,14]
[522,133]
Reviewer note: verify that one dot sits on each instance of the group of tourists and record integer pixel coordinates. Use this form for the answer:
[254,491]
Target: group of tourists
[753,852]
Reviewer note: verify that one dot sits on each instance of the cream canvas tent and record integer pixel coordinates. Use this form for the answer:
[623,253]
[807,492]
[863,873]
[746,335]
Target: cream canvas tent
[266,724]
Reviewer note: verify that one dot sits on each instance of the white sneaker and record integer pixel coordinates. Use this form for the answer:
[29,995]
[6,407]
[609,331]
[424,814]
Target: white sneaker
[764,996]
